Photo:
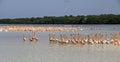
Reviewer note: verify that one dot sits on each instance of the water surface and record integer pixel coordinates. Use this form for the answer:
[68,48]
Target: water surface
[13,49]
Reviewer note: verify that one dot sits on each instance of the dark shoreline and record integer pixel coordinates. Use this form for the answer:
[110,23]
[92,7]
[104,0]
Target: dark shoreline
[67,19]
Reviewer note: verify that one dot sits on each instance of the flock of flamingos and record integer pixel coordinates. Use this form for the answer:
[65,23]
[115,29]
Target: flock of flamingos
[90,39]
[83,39]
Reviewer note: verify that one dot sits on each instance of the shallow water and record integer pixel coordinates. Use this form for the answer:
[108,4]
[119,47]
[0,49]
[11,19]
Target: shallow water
[14,49]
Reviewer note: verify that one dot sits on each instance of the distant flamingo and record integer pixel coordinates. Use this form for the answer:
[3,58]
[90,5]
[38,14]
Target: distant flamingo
[24,38]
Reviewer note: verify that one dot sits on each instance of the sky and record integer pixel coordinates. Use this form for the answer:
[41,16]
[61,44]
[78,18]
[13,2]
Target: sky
[40,8]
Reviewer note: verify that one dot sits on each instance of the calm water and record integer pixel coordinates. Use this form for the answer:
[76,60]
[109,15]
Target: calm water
[13,49]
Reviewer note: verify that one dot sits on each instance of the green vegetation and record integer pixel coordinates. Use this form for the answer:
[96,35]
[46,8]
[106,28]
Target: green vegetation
[80,19]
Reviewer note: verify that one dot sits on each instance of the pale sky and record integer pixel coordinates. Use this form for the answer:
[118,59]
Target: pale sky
[40,8]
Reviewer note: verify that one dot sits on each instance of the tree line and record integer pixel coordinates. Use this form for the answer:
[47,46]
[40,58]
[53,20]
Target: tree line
[67,19]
